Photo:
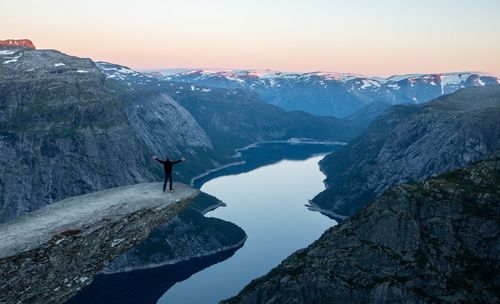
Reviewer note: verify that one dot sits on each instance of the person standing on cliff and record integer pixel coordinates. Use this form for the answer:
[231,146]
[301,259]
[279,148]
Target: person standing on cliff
[167,167]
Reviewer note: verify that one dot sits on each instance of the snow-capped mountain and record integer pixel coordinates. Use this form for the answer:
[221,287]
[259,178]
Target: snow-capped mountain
[335,94]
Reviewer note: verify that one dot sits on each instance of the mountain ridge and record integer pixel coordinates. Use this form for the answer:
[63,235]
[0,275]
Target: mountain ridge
[328,93]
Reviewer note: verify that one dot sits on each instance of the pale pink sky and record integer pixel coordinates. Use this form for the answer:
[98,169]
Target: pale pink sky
[380,38]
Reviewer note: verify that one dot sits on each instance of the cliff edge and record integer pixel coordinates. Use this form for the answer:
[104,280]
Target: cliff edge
[48,255]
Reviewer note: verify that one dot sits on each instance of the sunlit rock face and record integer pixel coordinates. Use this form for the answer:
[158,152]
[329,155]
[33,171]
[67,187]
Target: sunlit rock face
[18,42]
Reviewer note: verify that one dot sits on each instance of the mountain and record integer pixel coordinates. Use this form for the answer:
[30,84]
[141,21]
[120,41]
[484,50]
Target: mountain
[126,74]
[17,43]
[332,94]
[431,242]
[411,142]
[233,118]
[69,127]
[364,116]
[63,133]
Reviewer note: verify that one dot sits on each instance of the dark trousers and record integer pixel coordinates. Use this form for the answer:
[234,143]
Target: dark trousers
[168,176]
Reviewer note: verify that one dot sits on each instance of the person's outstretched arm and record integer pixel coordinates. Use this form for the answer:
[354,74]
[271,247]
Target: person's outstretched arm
[158,160]
[178,161]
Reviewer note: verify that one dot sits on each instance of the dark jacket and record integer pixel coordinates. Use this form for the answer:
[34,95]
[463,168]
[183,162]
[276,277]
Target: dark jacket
[167,164]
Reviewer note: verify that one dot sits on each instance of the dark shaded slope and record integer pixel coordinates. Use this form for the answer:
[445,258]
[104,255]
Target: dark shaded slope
[237,118]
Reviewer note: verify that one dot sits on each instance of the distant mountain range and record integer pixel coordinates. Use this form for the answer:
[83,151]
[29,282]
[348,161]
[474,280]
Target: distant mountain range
[325,93]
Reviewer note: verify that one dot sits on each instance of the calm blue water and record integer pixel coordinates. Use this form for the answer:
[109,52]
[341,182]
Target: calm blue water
[268,203]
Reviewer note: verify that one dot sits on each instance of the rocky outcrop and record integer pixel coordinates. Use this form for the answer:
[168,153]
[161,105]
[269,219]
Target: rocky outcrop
[48,255]
[26,43]
[431,242]
[187,236]
[409,143]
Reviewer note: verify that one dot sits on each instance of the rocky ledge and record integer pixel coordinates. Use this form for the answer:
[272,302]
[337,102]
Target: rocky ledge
[436,241]
[48,255]
[187,236]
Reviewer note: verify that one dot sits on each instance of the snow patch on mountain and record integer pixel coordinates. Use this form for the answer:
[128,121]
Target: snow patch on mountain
[397,78]
[7,52]
[454,78]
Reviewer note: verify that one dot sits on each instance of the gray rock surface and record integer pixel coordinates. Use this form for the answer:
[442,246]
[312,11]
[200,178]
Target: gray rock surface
[409,143]
[62,132]
[436,241]
[162,114]
[187,236]
[48,255]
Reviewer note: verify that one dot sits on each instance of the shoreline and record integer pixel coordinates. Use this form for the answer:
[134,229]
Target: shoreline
[291,141]
[213,207]
[194,179]
[315,208]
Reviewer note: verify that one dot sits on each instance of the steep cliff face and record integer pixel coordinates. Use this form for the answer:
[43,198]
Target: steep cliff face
[66,130]
[187,236]
[63,132]
[48,255]
[409,143]
[430,242]
[168,130]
